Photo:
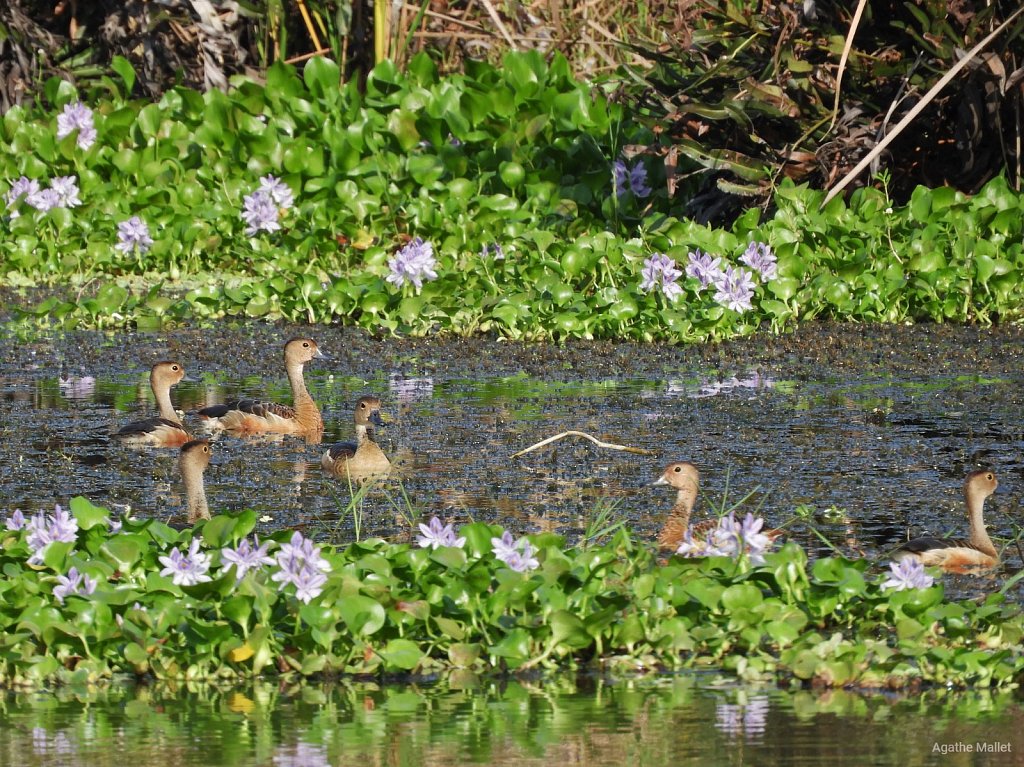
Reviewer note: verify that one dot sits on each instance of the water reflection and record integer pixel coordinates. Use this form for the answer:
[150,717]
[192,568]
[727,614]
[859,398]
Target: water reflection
[650,721]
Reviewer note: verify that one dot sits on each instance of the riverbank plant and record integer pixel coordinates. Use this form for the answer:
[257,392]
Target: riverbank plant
[87,595]
[497,201]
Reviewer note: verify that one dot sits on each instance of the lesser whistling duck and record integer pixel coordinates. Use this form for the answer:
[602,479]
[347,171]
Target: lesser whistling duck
[958,555]
[363,458]
[164,430]
[249,416]
[194,458]
[684,477]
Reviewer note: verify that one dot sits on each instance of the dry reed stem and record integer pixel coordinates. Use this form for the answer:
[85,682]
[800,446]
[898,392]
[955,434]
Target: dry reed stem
[595,440]
[918,108]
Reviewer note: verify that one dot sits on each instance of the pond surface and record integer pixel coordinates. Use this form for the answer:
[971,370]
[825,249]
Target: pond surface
[649,721]
[871,428]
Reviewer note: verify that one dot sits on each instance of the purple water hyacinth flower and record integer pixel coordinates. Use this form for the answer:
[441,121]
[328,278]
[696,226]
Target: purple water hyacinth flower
[260,212]
[187,569]
[77,116]
[759,257]
[22,189]
[413,263]
[303,549]
[496,249]
[738,539]
[73,583]
[630,179]
[517,555]
[701,546]
[44,200]
[435,535]
[735,289]
[16,520]
[114,525]
[279,191]
[660,271]
[503,547]
[908,573]
[66,188]
[523,560]
[247,556]
[301,564]
[133,234]
[44,529]
[706,269]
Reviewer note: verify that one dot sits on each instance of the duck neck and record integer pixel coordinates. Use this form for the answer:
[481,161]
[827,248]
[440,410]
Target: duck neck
[306,411]
[685,500]
[979,535]
[196,493]
[163,402]
[363,434]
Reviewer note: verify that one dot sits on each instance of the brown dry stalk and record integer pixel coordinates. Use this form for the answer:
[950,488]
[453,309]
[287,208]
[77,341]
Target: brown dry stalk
[918,107]
[595,440]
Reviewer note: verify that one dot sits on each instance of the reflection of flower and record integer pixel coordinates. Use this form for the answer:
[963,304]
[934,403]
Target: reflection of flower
[746,719]
[77,387]
[435,535]
[413,263]
[300,755]
[56,744]
[908,573]
[752,380]
[411,388]
[77,116]
[660,271]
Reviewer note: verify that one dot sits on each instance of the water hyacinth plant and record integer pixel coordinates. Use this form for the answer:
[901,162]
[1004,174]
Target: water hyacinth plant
[450,598]
[549,195]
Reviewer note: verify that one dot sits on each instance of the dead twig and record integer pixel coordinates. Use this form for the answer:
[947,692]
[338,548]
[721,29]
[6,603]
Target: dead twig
[918,108]
[595,440]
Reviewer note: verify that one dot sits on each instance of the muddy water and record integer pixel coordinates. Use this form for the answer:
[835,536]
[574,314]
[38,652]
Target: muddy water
[870,430]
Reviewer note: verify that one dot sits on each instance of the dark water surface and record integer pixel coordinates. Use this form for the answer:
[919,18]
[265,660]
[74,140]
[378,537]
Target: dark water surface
[644,722]
[872,428]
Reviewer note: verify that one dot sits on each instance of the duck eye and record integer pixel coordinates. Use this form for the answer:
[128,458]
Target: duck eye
[305,345]
[677,469]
